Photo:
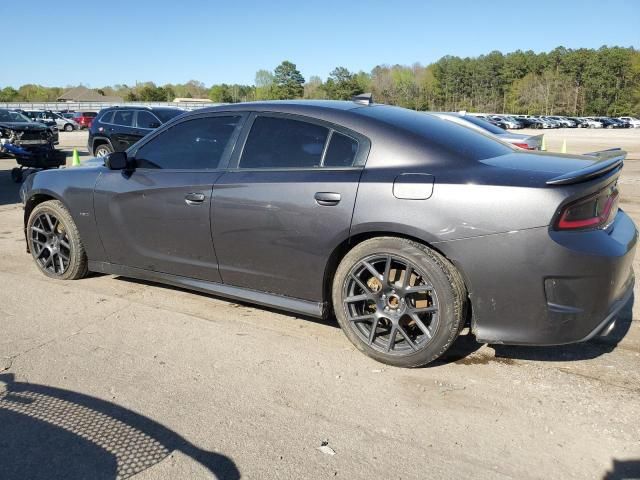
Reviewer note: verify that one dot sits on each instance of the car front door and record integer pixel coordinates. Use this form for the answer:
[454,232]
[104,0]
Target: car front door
[285,203]
[158,216]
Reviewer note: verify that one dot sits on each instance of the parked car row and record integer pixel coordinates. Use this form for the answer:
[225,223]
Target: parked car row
[514,122]
[483,125]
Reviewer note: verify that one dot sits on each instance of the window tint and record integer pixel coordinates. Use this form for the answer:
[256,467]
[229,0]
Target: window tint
[147,120]
[447,137]
[341,152]
[107,117]
[124,118]
[166,114]
[283,143]
[195,144]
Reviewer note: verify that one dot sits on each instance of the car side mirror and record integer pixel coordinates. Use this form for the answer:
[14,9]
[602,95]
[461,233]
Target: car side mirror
[118,161]
[154,125]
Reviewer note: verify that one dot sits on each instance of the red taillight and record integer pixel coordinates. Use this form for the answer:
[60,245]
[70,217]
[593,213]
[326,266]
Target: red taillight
[591,212]
[524,146]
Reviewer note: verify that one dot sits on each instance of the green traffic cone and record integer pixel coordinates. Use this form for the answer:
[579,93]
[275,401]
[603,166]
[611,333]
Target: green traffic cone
[75,159]
[543,147]
[564,146]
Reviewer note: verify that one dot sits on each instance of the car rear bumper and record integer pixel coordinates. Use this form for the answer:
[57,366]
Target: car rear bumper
[542,287]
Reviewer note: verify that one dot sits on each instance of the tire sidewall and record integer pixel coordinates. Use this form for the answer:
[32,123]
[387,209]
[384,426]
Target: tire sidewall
[432,268]
[76,263]
[104,147]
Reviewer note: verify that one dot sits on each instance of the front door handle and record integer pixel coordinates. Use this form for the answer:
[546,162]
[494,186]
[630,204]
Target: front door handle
[194,198]
[327,199]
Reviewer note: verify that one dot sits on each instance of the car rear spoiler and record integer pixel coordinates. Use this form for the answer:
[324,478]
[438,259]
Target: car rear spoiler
[607,161]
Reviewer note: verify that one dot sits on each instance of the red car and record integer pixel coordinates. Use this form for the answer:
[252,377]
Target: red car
[84,119]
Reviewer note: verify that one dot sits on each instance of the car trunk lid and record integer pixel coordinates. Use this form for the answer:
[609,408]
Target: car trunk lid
[561,169]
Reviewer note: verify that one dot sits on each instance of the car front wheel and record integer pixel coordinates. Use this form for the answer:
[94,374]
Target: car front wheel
[54,242]
[398,301]
[103,150]
[68,127]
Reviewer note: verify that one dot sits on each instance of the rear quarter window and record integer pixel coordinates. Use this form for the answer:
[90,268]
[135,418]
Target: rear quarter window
[107,117]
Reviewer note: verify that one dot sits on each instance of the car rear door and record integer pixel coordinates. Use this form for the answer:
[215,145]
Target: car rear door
[158,216]
[145,123]
[286,203]
[122,130]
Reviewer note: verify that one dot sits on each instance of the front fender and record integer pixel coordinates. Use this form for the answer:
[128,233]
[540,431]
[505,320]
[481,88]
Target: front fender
[74,188]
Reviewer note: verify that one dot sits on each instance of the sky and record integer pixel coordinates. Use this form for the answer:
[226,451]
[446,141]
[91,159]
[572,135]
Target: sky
[122,42]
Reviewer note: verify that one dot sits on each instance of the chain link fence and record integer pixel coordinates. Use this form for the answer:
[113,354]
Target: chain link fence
[97,106]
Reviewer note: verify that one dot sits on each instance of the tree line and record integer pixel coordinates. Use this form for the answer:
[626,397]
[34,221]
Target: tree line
[604,81]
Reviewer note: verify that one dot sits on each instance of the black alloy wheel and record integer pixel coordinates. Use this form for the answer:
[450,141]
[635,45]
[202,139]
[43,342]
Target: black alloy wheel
[399,301]
[54,242]
[52,249]
[391,305]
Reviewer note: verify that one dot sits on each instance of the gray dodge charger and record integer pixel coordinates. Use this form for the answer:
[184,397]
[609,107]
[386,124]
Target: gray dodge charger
[403,225]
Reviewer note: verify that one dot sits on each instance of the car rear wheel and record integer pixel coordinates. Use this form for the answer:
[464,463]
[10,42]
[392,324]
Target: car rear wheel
[398,301]
[54,242]
[68,127]
[103,150]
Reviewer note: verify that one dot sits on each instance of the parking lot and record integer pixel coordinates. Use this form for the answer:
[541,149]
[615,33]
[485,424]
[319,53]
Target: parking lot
[175,384]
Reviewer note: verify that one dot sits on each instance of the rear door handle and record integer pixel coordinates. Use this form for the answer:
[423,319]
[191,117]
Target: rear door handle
[327,199]
[194,198]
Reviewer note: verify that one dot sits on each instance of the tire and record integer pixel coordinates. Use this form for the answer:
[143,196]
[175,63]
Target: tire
[102,150]
[64,228]
[68,127]
[443,297]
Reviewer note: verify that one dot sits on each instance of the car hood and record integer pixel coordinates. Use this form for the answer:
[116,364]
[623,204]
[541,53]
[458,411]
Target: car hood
[24,126]
[93,162]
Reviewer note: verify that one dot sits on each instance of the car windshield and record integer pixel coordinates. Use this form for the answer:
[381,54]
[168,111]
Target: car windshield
[167,114]
[490,127]
[9,116]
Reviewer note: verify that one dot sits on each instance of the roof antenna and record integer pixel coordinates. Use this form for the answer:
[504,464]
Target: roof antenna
[363,99]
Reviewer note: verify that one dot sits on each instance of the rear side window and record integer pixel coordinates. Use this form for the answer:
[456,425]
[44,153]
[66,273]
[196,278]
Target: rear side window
[123,118]
[341,151]
[276,142]
[441,136]
[147,120]
[197,144]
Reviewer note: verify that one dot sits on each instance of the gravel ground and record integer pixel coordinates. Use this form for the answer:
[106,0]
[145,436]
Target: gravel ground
[111,378]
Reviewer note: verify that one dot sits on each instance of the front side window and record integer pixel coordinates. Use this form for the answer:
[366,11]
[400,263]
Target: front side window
[276,142]
[123,118]
[198,144]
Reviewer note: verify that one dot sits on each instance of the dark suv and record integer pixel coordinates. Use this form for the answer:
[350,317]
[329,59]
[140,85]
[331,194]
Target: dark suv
[117,128]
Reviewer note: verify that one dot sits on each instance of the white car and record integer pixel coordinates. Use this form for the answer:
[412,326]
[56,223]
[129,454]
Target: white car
[592,122]
[634,122]
[66,124]
[508,121]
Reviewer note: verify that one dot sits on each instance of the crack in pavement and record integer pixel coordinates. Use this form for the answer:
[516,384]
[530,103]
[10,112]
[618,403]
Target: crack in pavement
[9,361]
